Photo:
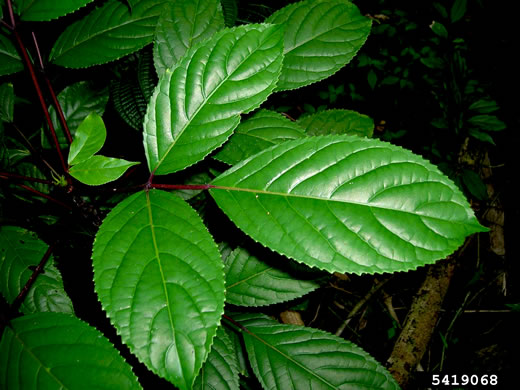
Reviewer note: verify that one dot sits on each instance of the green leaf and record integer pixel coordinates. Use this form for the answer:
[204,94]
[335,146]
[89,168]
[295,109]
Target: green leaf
[98,38]
[337,122]
[484,106]
[320,38]
[458,10]
[264,129]
[20,252]
[252,282]
[439,29]
[297,357]
[10,61]
[346,204]
[6,102]
[98,170]
[481,136]
[88,139]
[59,351]
[197,104]
[230,11]
[77,101]
[487,122]
[474,184]
[159,277]
[183,24]
[42,10]
[220,371]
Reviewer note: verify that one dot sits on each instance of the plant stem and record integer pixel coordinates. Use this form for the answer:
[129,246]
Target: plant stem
[6,175]
[36,192]
[39,269]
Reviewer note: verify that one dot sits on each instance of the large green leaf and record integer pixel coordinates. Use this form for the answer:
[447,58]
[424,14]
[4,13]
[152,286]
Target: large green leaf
[41,10]
[296,357]
[337,122]
[98,170]
[20,252]
[88,139]
[77,101]
[320,38]
[220,371]
[264,129]
[183,24]
[159,276]
[252,282]
[10,61]
[58,351]
[346,204]
[107,33]
[197,104]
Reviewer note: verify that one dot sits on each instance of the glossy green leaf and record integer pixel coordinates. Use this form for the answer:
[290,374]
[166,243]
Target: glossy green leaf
[98,170]
[77,101]
[107,33]
[346,204]
[159,277]
[197,104]
[59,351]
[264,129]
[220,371]
[20,252]
[487,122]
[10,61]
[337,122]
[183,24]
[252,282]
[320,38]
[6,102]
[42,10]
[88,139]
[296,357]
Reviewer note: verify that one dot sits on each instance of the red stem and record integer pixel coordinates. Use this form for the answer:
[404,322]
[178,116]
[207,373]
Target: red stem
[36,192]
[6,175]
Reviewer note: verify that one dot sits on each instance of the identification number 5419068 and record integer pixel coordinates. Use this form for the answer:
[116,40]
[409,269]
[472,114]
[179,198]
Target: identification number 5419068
[464,380]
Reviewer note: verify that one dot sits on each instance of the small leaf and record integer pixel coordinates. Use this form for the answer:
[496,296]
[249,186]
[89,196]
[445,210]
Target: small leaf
[6,102]
[42,10]
[20,252]
[337,122]
[264,129]
[183,24]
[474,184]
[481,136]
[88,139]
[252,282]
[59,351]
[458,10]
[487,122]
[439,29]
[77,101]
[484,106]
[220,371]
[98,170]
[346,204]
[320,38]
[197,104]
[158,275]
[97,38]
[10,61]
[297,357]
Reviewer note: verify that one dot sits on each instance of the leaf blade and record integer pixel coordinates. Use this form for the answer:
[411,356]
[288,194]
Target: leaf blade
[346,204]
[168,305]
[88,139]
[337,122]
[44,10]
[98,170]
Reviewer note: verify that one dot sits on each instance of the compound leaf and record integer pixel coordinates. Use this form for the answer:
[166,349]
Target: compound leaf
[346,204]
[59,351]
[88,139]
[297,357]
[320,38]
[252,282]
[158,275]
[107,33]
[337,122]
[20,252]
[42,10]
[265,128]
[98,170]
[220,371]
[183,24]
[198,103]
